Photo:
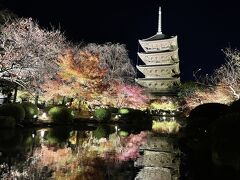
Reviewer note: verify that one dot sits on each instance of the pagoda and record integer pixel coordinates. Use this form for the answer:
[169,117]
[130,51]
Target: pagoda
[161,69]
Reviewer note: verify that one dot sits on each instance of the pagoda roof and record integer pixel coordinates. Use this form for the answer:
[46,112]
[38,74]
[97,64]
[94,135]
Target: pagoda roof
[158,65]
[157,36]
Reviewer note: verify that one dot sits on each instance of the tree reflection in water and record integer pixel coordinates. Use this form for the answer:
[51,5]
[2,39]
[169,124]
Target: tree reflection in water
[63,154]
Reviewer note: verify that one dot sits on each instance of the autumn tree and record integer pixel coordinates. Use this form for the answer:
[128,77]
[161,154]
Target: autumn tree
[115,58]
[82,77]
[79,75]
[227,75]
[28,53]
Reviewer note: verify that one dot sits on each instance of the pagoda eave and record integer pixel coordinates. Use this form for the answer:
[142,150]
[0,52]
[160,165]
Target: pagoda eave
[159,84]
[159,71]
[159,58]
[159,44]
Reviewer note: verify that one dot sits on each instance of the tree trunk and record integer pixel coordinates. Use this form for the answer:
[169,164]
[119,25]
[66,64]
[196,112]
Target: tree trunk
[36,98]
[15,93]
[63,101]
[234,92]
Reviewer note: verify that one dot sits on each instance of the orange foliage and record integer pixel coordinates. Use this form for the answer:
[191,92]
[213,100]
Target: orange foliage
[84,69]
[79,75]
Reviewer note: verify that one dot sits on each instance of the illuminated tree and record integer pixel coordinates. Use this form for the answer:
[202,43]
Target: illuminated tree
[115,58]
[79,75]
[125,95]
[6,15]
[82,77]
[28,53]
[229,73]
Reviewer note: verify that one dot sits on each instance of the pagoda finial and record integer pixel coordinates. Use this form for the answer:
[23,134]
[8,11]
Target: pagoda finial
[159,21]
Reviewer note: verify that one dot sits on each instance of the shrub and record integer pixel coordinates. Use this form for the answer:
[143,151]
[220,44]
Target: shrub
[188,89]
[10,141]
[57,135]
[100,132]
[123,111]
[209,110]
[13,110]
[61,114]
[30,110]
[225,146]
[24,96]
[203,115]
[102,114]
[235,106]
[7,122]
[123,133]
[199,125]
[134,116]
[113,109]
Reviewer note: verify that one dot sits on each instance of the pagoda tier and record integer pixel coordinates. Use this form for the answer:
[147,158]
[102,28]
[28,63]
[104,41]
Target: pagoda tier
[160,58]
[159,84]
[159,71]
[158,43]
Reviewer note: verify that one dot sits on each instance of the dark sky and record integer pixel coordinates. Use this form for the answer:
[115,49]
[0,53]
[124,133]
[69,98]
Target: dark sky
[204,27]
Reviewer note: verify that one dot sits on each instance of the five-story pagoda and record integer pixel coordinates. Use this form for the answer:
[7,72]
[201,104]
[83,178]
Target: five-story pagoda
[161,69]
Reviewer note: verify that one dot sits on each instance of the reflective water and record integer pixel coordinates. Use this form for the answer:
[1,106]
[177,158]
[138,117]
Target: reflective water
[103,152]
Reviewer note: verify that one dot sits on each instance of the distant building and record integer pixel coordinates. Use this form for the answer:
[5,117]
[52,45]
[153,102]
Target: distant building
[161,69]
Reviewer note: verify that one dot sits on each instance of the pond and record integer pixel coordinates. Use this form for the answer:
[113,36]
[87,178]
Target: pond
[87,152]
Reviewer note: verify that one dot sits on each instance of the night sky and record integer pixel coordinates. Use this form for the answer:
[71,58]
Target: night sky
[203,27]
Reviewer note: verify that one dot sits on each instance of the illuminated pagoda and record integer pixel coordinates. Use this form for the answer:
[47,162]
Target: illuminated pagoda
[161,69]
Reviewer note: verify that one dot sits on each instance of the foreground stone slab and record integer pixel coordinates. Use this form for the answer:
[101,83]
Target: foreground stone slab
[154,173]
[158,159]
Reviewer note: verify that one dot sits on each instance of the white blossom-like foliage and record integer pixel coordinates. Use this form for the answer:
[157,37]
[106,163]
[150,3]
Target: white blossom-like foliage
[115,58]
[28,53]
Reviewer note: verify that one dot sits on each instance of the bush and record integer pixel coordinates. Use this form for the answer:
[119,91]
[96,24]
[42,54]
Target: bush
[225,138]
[100,132]
[134,116]
[7,122]
[199,125]
[113,109]
[13,110]
[57,135]
[123,111]
[11,141]
[30,110]
[61,114]
[209,110]
[123,133]
[102,114]
[188,89]
[235,106]
[203,115]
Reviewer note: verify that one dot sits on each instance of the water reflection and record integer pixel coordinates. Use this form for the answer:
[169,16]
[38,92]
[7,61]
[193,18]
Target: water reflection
[66,153]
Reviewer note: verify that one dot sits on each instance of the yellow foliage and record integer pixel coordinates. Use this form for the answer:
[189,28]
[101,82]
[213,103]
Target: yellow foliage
[169,127]
[166,104]
[219,94]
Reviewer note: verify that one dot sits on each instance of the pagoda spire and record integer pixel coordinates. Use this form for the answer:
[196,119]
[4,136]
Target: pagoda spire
[159,21]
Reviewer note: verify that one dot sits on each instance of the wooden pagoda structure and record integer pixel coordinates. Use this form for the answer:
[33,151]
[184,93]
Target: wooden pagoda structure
[161,63]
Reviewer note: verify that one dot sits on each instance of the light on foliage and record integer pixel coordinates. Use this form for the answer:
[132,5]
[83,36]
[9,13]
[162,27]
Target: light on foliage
[44,116]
